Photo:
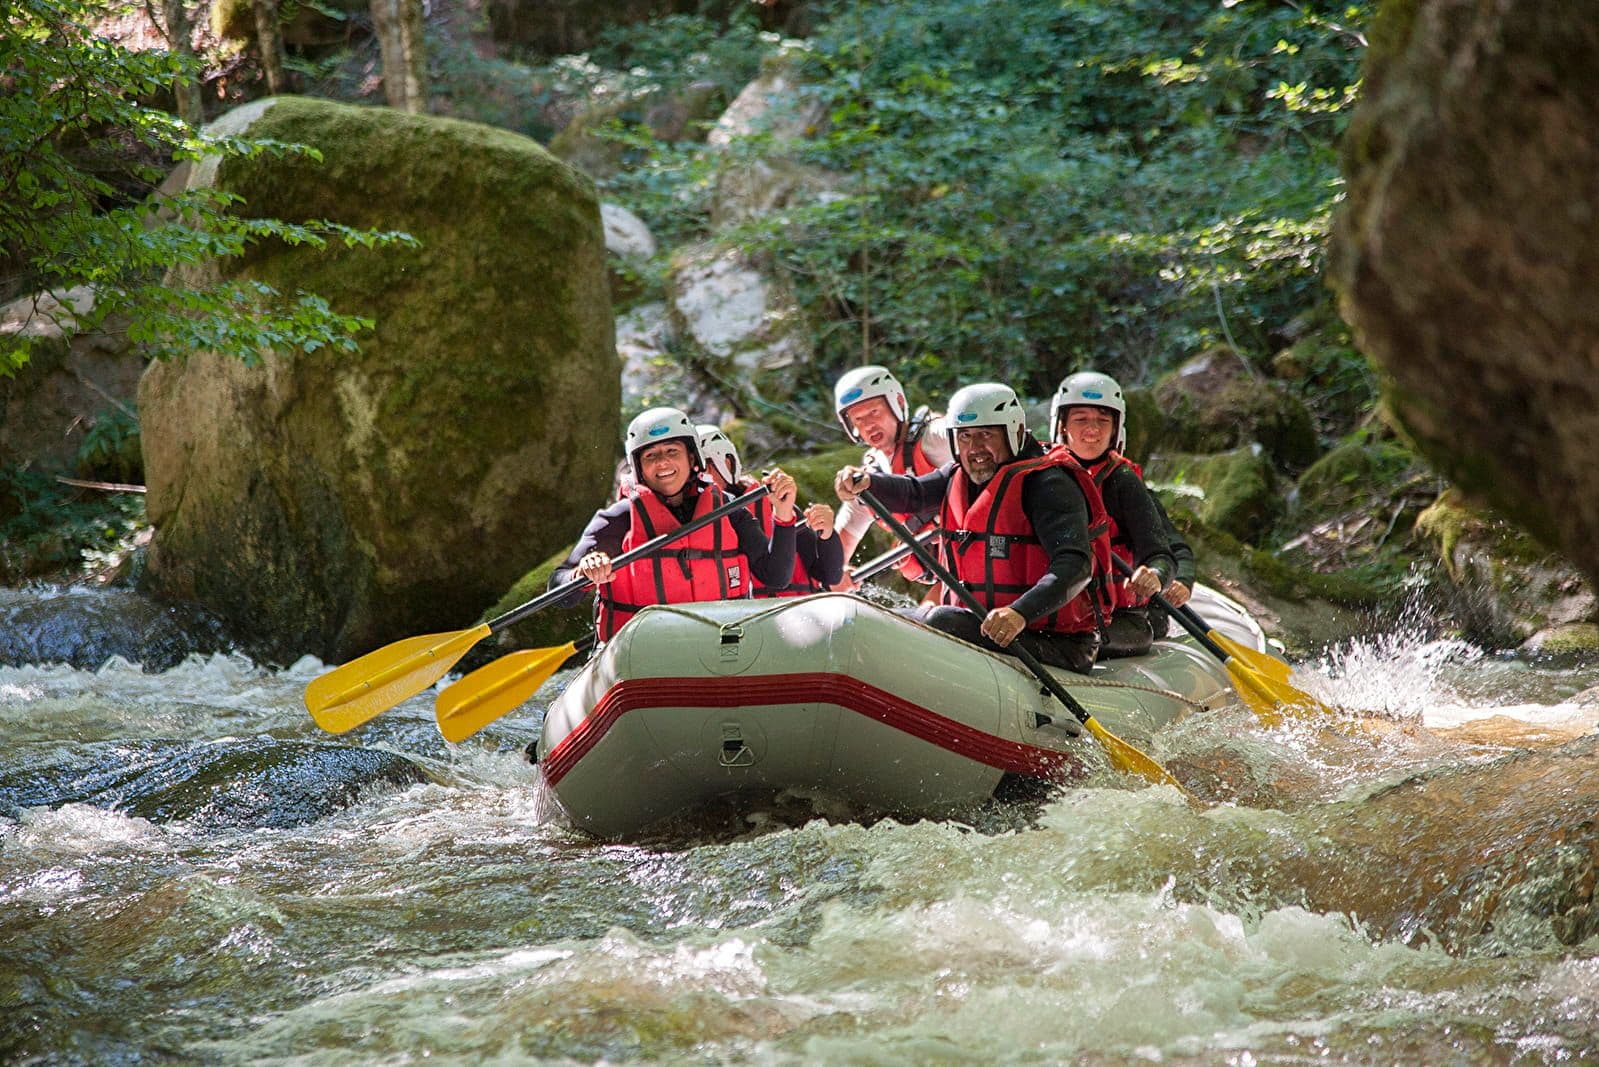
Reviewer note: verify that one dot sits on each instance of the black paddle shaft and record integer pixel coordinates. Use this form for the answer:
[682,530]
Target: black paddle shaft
[873,567]
[560,592]
[1186,616]
[953,583]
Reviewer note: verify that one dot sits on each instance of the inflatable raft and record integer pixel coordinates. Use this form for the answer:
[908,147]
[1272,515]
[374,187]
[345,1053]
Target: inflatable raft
[833,695]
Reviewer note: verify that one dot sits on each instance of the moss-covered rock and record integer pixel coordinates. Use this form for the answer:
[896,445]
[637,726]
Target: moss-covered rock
[1465,251]
[1238,491]
[1510,587]
[1214,402]
[330,504]
[1354,474]
[1146,425]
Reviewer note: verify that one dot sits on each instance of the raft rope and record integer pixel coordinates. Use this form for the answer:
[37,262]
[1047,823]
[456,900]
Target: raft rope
[1076,681]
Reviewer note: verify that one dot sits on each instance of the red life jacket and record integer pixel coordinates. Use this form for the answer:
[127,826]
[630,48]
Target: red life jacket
[705,565]
[991,546]
[909,458]
[801,583]
[1120,543]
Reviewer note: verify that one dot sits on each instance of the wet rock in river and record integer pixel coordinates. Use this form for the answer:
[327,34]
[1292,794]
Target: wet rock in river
[250,783]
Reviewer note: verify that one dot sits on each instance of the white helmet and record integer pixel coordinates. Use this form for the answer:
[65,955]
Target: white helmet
[864,383]
[1094,390]
[987,404]
[657,425]
[717,451]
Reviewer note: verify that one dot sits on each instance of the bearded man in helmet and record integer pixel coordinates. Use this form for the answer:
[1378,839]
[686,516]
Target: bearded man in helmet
[818,556]
[1022,528]
[1089,416]
[721,561]
[870,405]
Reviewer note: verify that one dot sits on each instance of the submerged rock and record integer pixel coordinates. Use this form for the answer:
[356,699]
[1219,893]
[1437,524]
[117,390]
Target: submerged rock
[253,783]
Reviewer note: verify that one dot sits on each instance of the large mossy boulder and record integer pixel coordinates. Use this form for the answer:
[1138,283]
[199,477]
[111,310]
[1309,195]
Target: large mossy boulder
[1467,252]
[1216,401]
[1237,491]
[327,503]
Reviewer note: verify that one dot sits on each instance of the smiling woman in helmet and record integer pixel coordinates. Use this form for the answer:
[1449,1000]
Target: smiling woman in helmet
[818,556]
[1089,416]
[720,561]
[870,405]
[1016,523]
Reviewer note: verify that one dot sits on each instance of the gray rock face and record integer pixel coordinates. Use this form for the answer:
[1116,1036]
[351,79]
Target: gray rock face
[329,504]
[1468,252]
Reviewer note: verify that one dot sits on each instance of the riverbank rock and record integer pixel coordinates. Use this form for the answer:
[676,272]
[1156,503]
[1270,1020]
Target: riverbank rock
[328,503]
[1215,402]
[1467,251]
[1509,589]
[1236,492]
[747,326]
[50,408]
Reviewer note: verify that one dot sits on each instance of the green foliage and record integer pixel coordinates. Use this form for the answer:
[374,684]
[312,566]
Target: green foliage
[1039,185]
[110,449]
[46,526]
[82,154]
[674,51]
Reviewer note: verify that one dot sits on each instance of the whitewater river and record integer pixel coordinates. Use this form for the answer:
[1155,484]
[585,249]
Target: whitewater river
[190,871]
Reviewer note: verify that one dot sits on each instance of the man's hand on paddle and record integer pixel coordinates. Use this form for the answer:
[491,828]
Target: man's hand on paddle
[1176,593]
[851,482]
[1002,626]
[819,517]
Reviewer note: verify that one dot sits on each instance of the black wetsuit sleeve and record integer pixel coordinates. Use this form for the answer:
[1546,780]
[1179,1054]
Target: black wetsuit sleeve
[604,533]
[823,559]
[904,494]
[1054,505]
[1181,550]
[1132,505]
[772,562]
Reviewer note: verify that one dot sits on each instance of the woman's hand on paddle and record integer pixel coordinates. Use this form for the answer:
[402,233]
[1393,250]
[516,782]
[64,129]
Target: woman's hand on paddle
[1144,582]
[819,517]
[1002,626]
[783,493]
[851,482]
[596,567]
[1176,593]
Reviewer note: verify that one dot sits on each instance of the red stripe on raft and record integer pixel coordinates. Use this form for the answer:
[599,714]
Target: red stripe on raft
[819,688]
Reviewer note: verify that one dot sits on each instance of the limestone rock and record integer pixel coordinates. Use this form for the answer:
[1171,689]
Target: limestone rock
[746,325]
[329,504]
[1467,253]
[629,246]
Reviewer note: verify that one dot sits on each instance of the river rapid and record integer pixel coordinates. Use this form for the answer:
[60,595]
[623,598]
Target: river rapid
[190,871]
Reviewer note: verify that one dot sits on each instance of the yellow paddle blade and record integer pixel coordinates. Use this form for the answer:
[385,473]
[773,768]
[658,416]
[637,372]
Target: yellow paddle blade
[1260,662]
[349,695]
[1271,699]
[490,691]
[1126,758]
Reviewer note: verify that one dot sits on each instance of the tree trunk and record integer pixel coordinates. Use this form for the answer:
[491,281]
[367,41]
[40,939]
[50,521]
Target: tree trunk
[399,30]
[270,41]
[186,91]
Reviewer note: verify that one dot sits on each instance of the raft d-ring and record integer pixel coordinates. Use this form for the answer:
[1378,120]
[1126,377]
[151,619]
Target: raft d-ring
[731,634]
